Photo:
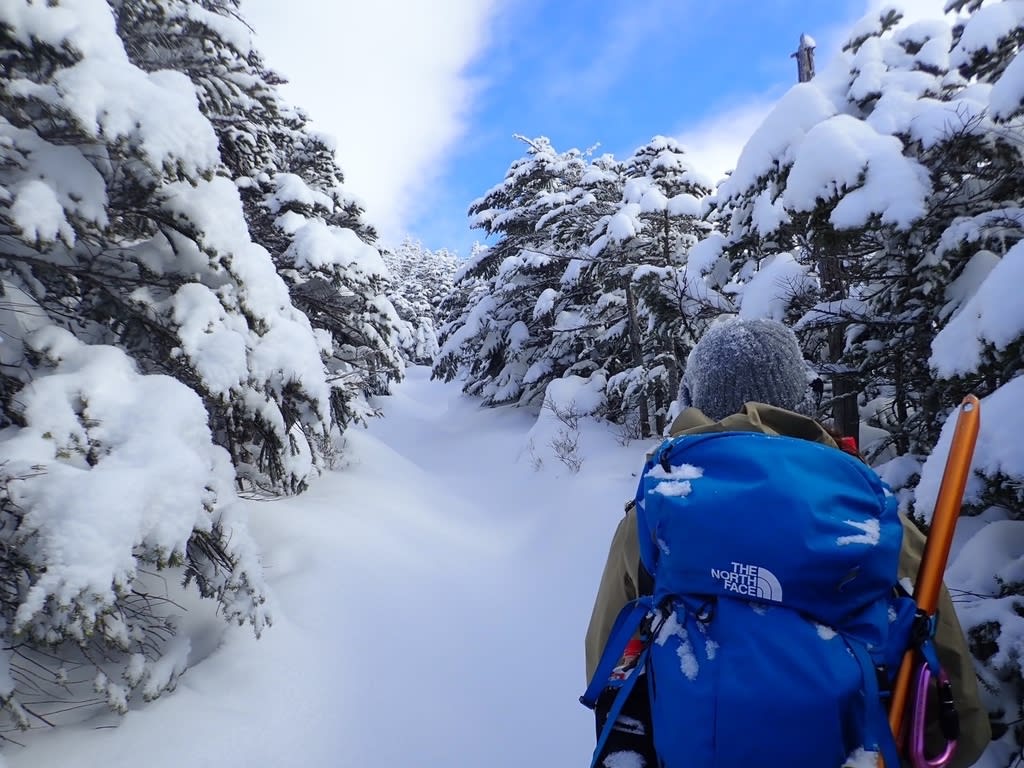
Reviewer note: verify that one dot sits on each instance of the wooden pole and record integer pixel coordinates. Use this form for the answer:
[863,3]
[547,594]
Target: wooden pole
[845,412]
[805,59]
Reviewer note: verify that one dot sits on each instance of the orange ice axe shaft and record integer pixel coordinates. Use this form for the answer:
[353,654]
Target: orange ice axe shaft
[936,551]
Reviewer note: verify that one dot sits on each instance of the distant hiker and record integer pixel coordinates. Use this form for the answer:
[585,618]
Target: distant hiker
[749,376]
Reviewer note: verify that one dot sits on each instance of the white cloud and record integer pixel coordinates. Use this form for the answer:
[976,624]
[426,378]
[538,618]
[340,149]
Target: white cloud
[387,79]
[714,143]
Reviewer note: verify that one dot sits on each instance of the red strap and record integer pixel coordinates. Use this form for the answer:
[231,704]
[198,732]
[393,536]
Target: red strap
[849,445]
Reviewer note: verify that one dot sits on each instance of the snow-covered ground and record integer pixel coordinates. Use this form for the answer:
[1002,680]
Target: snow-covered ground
[430,601]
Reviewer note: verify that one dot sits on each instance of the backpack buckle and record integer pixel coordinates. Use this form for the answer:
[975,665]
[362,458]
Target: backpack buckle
[655,619]
[922,630]
[663,458]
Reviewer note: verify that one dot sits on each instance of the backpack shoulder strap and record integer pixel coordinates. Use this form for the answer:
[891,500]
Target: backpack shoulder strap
[645,580]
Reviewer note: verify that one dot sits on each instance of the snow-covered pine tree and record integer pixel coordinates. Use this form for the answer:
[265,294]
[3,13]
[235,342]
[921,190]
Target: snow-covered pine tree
[455,312]
[901,77]
[834,200]
[642,248]
[903,161]
[421,279]
[591,268]
[134,305]
[335,273]
[585,317]
[501,347]
[294,200]
[980,348]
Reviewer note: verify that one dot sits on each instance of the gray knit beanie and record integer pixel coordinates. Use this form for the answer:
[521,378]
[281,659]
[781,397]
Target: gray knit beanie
[739,361]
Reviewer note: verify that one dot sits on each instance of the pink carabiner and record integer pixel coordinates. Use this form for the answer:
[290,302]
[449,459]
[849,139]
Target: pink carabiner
[917,756]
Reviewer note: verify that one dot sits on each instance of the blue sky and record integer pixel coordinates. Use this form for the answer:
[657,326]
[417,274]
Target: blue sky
[424,98]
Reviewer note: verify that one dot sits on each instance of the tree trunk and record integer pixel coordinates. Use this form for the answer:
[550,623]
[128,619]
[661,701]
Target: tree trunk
[666,250]
[638,357]
[845,410]
[902,396]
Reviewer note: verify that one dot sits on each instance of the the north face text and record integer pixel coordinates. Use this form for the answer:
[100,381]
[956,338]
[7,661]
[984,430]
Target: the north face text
[750,580]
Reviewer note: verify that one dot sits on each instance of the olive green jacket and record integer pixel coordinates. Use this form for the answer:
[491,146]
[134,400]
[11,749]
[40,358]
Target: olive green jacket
[621,575]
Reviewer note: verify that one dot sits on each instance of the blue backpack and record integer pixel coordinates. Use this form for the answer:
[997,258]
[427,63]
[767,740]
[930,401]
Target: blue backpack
[774,625]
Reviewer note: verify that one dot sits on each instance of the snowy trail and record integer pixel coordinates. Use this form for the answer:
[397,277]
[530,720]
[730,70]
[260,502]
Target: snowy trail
[489,650]
[431,599]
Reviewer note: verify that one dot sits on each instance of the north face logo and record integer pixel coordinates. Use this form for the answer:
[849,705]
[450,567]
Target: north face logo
[750,580]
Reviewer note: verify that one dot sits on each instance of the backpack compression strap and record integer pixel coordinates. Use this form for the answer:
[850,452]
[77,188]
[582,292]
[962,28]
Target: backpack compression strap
[876,720]
[626,626]
[645,581]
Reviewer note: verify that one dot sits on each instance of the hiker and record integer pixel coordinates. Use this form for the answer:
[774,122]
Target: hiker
[750,376]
